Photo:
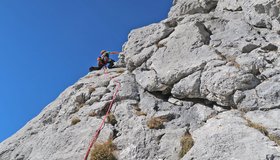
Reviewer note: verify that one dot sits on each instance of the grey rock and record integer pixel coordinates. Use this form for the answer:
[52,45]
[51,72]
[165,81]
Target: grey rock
[148,103]
[260,13]
[227,136]
[50,135]
[166,115]
[188,87]
[249,47]
[121,61]
[147,143]
[265,96]
[219,84]
[139,59]
[99,91]
[192,70]
[229,5]
[195,117]
[169,144]
[270,72]
[166,64]
[248,100]
[128,88]
[251,63]
[270,47]
[81,99]
[218,108]
[142,38]
[149,80]
[268,92]
[175,101]
[238,96]
[268,119]
[182,7]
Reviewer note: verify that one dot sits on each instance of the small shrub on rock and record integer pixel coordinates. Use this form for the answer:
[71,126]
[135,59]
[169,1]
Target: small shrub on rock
[264,131]
[120,71]
[103,151]
[75,120]
[112,119]
[92,114]
[186,144]
[258,127]
[79,106]
[275,138]
[140,113]
[81,99]
[155,123]
[91,90]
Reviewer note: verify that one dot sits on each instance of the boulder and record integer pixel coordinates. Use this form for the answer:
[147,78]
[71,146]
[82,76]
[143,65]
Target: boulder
[227,136]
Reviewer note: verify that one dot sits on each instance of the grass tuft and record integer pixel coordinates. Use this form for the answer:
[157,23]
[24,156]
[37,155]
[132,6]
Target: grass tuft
[91,90]
[120,71]
[103,151]
[89,76]
[112,119]
[92,114]
[75,120]
[140,113]
[274,138]
[187,143]
[264,131]
[258,127]
[155,123]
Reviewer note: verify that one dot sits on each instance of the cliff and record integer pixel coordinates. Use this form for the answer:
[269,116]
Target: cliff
[209,74]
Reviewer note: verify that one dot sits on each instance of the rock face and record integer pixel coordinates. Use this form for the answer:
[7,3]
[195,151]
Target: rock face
[210,70]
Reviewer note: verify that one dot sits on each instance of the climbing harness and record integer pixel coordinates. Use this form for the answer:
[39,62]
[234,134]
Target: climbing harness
[95,136]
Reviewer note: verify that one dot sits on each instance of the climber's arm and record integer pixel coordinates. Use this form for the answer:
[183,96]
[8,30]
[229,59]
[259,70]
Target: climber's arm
[114,52]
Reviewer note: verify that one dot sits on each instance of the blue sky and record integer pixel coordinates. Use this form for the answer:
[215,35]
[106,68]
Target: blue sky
[47,45]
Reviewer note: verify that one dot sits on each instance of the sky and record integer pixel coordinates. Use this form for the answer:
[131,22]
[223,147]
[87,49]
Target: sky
[47,45]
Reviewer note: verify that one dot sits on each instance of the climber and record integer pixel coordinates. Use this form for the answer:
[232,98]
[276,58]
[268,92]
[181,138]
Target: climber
[104,59]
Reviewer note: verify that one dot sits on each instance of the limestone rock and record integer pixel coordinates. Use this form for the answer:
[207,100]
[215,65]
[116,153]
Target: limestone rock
[142,38]
[265,96]
[268,119]
[121,60]
[188,87]
[227,136]
[207,70]
[182,7]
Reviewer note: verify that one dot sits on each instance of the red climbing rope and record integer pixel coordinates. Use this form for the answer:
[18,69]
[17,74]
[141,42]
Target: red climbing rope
[106,115]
